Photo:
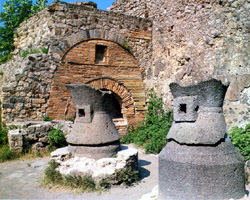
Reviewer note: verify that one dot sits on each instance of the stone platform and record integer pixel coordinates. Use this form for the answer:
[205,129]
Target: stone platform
[102,169]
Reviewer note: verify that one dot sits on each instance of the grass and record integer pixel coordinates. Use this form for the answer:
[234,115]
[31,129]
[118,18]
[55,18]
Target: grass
[45,50]
[54,179]
[27,52]
[7,155]
[34,51]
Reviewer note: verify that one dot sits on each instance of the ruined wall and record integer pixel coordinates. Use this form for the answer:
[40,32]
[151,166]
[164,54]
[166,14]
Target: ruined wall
[194,40]
[118,72]
[26,82]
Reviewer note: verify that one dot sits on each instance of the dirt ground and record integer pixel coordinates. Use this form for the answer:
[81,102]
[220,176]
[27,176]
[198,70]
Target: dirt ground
[21,180]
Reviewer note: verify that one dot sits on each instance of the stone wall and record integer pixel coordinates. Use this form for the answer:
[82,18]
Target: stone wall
[26,98]
[194,40]
[183,41]
[27,82]
[24,136]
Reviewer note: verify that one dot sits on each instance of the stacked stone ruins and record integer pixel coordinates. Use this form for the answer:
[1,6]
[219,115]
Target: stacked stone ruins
[135,46]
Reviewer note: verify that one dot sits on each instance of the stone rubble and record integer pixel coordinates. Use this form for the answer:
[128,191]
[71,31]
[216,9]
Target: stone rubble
[33,135]
[99,170]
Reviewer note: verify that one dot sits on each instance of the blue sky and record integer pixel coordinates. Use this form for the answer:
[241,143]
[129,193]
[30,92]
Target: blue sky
[101,4]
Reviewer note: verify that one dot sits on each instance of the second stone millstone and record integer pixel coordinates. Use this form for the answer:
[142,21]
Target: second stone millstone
[94,134]
[199,162]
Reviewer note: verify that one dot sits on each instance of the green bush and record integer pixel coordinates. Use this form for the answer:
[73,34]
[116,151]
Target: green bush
[151,133]
[127,176]
[56,139]
[6,154]
[240,138]
[3,136]
[47,119]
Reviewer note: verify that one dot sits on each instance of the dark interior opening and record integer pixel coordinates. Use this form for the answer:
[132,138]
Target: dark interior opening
[196,108]
[100,51]
[114,105]
[183,108]
[81,113]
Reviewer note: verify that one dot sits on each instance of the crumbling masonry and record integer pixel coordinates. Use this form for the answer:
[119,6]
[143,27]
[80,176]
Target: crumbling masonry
[133,47]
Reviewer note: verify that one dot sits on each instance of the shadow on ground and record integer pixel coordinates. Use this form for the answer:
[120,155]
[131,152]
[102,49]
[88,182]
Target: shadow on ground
[143,173]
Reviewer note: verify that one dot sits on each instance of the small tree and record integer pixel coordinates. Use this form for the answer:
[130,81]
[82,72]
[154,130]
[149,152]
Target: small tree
[15,12]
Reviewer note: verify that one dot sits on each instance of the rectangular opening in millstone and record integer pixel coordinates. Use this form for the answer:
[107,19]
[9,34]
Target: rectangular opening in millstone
[100,51]
[183,108]
[81,113]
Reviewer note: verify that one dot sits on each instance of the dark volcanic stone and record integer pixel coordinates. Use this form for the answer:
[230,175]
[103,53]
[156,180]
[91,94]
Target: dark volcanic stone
[199,172]
[198,163]
[94,134]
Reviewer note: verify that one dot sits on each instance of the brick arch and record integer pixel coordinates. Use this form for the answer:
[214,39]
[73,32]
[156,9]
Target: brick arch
[127,102]
[64,45]
[78,66]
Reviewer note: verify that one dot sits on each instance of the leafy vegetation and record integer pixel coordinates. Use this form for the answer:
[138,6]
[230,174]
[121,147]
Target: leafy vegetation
[6,154]
[151,133]
[240,138]
[127,176]
[3,136]
[46,118]
[15,12]
[56,139]
[27,52]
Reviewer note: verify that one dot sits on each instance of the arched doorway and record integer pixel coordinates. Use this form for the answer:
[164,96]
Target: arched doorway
[115,109]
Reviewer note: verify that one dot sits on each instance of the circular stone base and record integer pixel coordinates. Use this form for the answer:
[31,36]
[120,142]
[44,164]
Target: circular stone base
[99,170]
[95,152]
[201,172]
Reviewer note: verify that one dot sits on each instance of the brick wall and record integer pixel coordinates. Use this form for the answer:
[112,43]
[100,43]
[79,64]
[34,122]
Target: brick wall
[119,72]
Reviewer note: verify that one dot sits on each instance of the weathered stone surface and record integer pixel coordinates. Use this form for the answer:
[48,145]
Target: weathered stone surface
[175,41]
[100,169]
[15,139]
[198,113]
[98,128]
[93,129]
[95,152]
[33,134]
[193,40]
[199,161]
[59,27]
[199,172]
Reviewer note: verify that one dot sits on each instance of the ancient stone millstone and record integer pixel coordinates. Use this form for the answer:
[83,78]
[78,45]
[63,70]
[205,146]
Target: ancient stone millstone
[93,134]
[199,161]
